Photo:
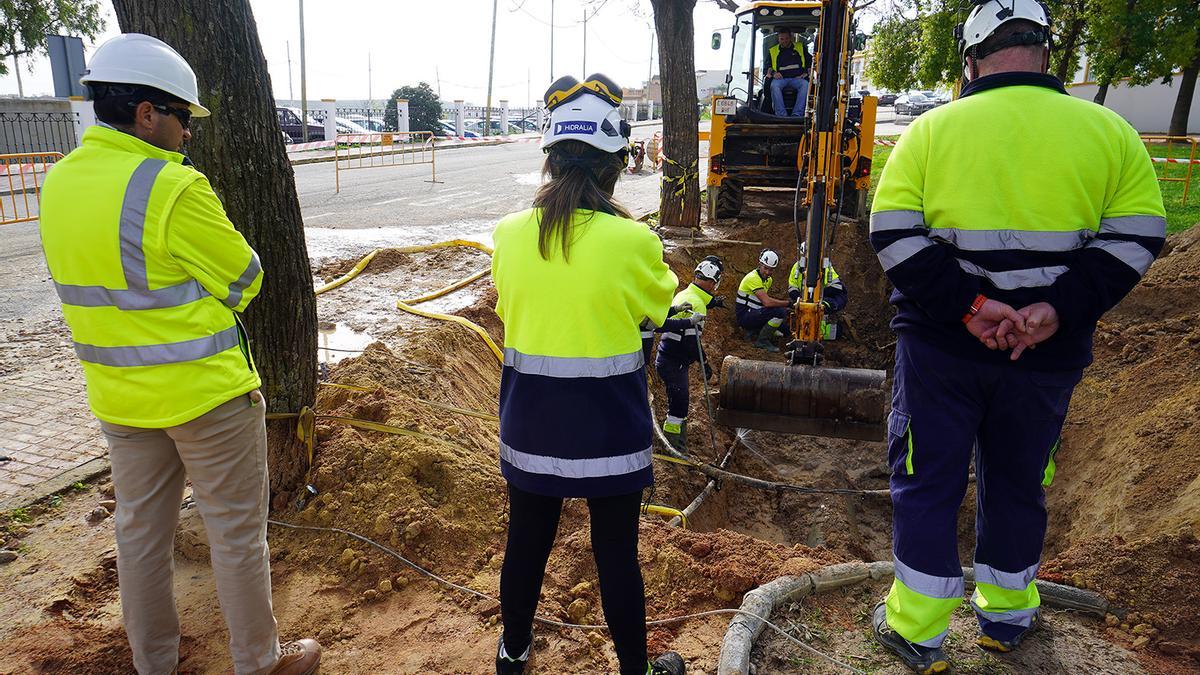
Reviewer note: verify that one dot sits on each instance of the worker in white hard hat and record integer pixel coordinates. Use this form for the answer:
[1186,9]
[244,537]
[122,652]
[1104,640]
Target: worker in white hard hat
[759,314]
[152,276]
[1004,255]
[575,277]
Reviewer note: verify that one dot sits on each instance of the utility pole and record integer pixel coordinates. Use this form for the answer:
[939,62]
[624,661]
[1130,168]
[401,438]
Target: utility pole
[291,96]
[437,75]
[369,99]
[487,124]
[551,40]
[303,82]
[12,43]
[583,73]
[650,70]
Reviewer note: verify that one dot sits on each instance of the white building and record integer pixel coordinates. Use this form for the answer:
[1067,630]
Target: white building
[1147,108]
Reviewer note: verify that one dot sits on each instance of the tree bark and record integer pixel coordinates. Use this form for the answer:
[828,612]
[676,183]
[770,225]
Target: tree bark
[1068,45]
[240,148]
[680,201]
[1187,90]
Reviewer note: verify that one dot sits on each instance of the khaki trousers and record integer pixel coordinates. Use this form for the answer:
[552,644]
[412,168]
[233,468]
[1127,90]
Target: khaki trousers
[224,452]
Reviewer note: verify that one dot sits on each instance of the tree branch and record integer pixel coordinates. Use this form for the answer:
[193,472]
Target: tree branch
[728,5]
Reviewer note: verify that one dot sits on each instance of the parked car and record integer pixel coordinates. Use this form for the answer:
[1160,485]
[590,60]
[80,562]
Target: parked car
[913,104]
[887,99]
[449,130]
[495,128]
[372,124]
[289,121]
[938,99]
[346,126]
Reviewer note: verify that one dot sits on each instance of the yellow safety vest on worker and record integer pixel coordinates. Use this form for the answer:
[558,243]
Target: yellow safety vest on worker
[574,419]
[150,272]
[796,276]
[751,283]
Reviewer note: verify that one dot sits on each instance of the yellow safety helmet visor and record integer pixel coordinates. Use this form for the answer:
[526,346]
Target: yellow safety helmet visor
[567,88]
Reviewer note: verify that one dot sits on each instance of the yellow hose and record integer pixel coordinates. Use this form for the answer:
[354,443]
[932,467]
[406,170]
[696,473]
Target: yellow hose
[665,511]
[405,307]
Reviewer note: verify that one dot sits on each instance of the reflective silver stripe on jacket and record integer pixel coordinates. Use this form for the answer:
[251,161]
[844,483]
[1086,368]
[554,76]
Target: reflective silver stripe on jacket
[1012,240]
[133,221]
[672,335]
[243,282]
[572,366]
[160,354]
[1129,252]
[929,585]
[1014,617]
[598,467]
[138,294]
[131,299]
[1138,226]
[1032,277]
[896,220]
[902,249]
[750,301]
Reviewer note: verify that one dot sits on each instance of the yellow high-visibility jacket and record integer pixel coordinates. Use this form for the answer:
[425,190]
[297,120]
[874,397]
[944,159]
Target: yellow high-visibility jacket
[150,273]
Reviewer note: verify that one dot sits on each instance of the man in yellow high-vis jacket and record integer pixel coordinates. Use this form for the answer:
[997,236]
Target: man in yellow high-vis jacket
[151,275]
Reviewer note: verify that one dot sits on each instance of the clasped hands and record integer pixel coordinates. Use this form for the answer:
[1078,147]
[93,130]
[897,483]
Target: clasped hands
[999,326]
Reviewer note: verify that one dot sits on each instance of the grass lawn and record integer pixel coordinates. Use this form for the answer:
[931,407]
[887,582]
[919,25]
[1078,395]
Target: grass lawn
[1179,217]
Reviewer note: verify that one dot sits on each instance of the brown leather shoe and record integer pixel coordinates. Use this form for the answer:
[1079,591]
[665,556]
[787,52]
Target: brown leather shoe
[301,657]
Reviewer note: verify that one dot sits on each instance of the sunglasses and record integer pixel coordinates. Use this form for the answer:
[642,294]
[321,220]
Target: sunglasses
[184,115]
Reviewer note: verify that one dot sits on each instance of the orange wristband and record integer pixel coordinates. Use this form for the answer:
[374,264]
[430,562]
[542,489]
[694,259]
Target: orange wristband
[975,306]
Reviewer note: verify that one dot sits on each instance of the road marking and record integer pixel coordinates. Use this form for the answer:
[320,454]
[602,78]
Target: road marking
[389,201]
[320,215]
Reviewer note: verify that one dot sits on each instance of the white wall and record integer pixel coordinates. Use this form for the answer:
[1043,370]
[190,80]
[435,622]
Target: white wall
[1147,108]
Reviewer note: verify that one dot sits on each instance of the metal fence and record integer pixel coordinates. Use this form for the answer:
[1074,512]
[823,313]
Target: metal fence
[21,177]
[391,148]
[370,120]
[37,132]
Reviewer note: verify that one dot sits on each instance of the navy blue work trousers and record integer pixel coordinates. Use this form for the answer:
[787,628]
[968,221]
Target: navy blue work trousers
[944,409]
[674,374]
[755,319]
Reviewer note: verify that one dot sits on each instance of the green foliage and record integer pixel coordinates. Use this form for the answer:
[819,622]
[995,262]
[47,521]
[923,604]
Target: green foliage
[424,108]
[55,501]
[79,486]
[893,57]
[20,515]
[24,24]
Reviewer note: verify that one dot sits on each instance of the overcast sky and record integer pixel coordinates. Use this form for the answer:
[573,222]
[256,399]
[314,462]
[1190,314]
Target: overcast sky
[411,41]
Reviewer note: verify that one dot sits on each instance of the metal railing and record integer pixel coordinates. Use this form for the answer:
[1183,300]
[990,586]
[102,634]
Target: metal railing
[372,120]
[1167,146]
[37,132]
[21,176]
[389,148]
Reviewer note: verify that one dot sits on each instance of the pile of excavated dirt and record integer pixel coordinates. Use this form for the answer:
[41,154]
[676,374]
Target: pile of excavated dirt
[1125,504]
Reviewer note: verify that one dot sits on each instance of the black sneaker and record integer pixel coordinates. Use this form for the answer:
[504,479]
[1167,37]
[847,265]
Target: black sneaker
[923,660]
[1005,646]
[670,663]
[509,665]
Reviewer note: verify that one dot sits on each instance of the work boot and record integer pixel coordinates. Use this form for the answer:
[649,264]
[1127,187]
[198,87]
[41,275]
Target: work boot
[765,337]
[510,665]
[670,663]
[678,440]
[923,660]
[300,657]
[1005,646]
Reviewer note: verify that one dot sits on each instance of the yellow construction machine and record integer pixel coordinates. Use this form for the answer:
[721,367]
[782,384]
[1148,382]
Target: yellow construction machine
[824,156]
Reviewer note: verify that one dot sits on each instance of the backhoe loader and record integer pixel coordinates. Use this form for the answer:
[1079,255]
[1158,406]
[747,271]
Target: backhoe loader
[825,158]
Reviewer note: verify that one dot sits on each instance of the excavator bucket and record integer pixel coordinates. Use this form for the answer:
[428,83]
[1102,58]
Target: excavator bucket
[808,400]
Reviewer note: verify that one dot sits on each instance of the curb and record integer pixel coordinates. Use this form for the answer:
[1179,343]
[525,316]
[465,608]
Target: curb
[34,493]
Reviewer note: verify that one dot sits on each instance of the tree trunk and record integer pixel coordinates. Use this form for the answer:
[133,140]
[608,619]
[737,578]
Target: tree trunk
[240,148]
[1067,46]
[1187,90]
[680,202]
[1101,93]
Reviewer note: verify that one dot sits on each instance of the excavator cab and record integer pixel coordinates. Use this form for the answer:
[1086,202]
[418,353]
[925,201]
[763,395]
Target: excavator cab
[824,157]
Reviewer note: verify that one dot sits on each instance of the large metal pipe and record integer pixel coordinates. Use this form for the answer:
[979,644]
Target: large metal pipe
[810,400]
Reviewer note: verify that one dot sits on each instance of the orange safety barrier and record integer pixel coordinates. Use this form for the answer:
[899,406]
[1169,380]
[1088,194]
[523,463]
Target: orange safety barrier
[388,148]
[21,176]
[1166,144]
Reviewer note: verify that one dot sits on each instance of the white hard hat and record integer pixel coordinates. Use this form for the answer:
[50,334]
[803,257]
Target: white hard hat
[710,268]
[133,58]
[768,258]
[988,16]
[585,115]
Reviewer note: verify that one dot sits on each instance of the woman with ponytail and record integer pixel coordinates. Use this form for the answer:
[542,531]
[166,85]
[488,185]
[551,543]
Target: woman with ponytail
[575,277]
